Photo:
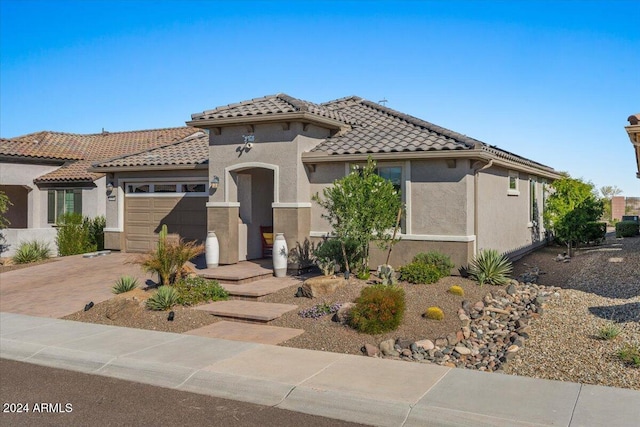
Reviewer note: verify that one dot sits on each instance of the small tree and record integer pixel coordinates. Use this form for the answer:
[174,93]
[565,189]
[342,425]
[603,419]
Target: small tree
[572,205]
[361,207]
[4,222]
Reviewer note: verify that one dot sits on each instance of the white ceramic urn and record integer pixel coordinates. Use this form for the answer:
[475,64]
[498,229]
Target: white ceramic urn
[212,250]
[280,255]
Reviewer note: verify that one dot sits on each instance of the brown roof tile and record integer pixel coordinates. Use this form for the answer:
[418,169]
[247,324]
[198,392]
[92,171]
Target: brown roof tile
[87,149]
[193,150]
[269,105]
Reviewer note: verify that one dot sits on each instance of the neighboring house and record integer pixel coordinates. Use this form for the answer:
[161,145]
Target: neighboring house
[633,130]
[267,157]
[45,175]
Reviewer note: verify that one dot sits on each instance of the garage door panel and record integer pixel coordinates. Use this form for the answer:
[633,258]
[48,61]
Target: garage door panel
[145,215]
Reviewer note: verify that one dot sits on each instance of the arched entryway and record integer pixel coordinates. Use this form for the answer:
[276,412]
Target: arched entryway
[255,187]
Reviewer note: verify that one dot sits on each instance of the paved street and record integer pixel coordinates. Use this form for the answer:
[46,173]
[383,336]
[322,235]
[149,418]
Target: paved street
[100,401]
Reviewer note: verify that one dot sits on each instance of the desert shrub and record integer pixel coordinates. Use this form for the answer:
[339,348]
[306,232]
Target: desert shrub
[319,310]
[387,274]
[327,266]
[96,231]
[630,354]
[434,313]
[609,331]
[164,298]
[31,252]
[331,249]
[169,258]
[124,284]
[378,309]
[441,261]
[73,235]
[194,290]
[594,232]
[489,266]
[418,272]
[627,229]
[364,275]
[456,290]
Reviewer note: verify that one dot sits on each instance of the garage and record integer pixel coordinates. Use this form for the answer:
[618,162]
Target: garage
[144,216]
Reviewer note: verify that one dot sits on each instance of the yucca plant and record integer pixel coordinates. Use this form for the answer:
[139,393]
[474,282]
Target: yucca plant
[31,252]
[489,266]
[164,298]
[124,284]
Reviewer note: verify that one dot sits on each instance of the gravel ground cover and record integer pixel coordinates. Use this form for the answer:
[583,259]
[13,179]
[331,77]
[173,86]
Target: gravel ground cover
[600,285]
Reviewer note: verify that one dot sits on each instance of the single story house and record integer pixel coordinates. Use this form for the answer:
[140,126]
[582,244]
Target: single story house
[263,159]
[45,174]
[633,130]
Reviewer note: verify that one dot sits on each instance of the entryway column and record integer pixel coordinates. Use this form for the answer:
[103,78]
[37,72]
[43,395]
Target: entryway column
[294,220]
[223,219]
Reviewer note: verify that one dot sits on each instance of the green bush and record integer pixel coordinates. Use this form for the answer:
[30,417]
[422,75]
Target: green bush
[331,249]
[609,331]
[627,229]
[31,252]
[194,290]
[595,232]
[489,266]
[378,309]
[630,354]
[96,231]
[124,284]
[74,235]
[164,298]
[418,272]
[441,261]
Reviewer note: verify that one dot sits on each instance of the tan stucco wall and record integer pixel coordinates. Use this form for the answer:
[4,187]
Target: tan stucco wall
[440,198]
[294,223]
[503,221]
[323,177]
[224,221]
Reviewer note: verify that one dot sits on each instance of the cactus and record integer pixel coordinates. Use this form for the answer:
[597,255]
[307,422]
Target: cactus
[434,313]
[456,290]
[387,274]
[327,266]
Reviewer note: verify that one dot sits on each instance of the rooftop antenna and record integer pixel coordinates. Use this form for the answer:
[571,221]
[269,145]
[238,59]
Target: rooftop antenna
[383,101]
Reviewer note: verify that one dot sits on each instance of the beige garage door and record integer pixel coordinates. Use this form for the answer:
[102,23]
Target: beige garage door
[144,216]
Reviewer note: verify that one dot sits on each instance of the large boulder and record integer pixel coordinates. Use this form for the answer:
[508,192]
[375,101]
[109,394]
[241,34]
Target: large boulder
[322,286]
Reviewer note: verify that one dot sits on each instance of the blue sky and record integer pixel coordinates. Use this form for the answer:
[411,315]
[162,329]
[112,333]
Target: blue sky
[553,81]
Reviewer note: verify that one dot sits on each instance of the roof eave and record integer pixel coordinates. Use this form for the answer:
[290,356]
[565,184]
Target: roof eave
[142,168]
[478,154]
[299,116]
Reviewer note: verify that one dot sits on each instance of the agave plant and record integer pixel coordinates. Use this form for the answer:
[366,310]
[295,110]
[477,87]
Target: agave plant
[164,298]
[31,252]
[124,284]
[490,267]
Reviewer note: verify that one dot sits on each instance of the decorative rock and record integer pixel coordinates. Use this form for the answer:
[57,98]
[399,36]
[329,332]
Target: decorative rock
[406,352]
[462,350]
[322,286]
[452,339]
[342,315]
[464,319]
[404,343]
[425,344]
[511,289]
[371,350]
[513,348]
[479,306]
[466,332]
[441,342]
[388,348]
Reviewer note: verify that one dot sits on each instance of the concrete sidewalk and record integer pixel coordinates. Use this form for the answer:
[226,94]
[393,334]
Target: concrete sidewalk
[353,388]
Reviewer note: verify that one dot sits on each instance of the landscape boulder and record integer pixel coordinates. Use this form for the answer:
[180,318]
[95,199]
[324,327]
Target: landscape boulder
[322,286]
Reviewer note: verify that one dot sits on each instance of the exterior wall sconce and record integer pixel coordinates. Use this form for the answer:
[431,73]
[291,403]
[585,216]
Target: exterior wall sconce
[214,182]
[110,187]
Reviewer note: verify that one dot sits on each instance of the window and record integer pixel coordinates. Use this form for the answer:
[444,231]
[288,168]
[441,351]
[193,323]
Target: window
[513,184]
[393,174]
[533,203]
[177,188]
[60,202]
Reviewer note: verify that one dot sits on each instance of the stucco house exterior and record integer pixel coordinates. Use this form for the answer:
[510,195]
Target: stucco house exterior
[45,174]
[633,130]
[261,161]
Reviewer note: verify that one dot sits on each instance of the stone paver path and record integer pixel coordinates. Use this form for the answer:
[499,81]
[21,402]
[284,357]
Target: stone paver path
[247,310]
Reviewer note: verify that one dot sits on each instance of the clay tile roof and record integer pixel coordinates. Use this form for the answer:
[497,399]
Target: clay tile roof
[269,105]
[193,150]
[87,148]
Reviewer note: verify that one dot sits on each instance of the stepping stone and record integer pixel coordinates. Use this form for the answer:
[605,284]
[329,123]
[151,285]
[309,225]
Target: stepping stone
[247,310]
[261,287]
[235,331]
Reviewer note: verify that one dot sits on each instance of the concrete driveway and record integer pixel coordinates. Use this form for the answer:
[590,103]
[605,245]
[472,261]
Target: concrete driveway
[64,286]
